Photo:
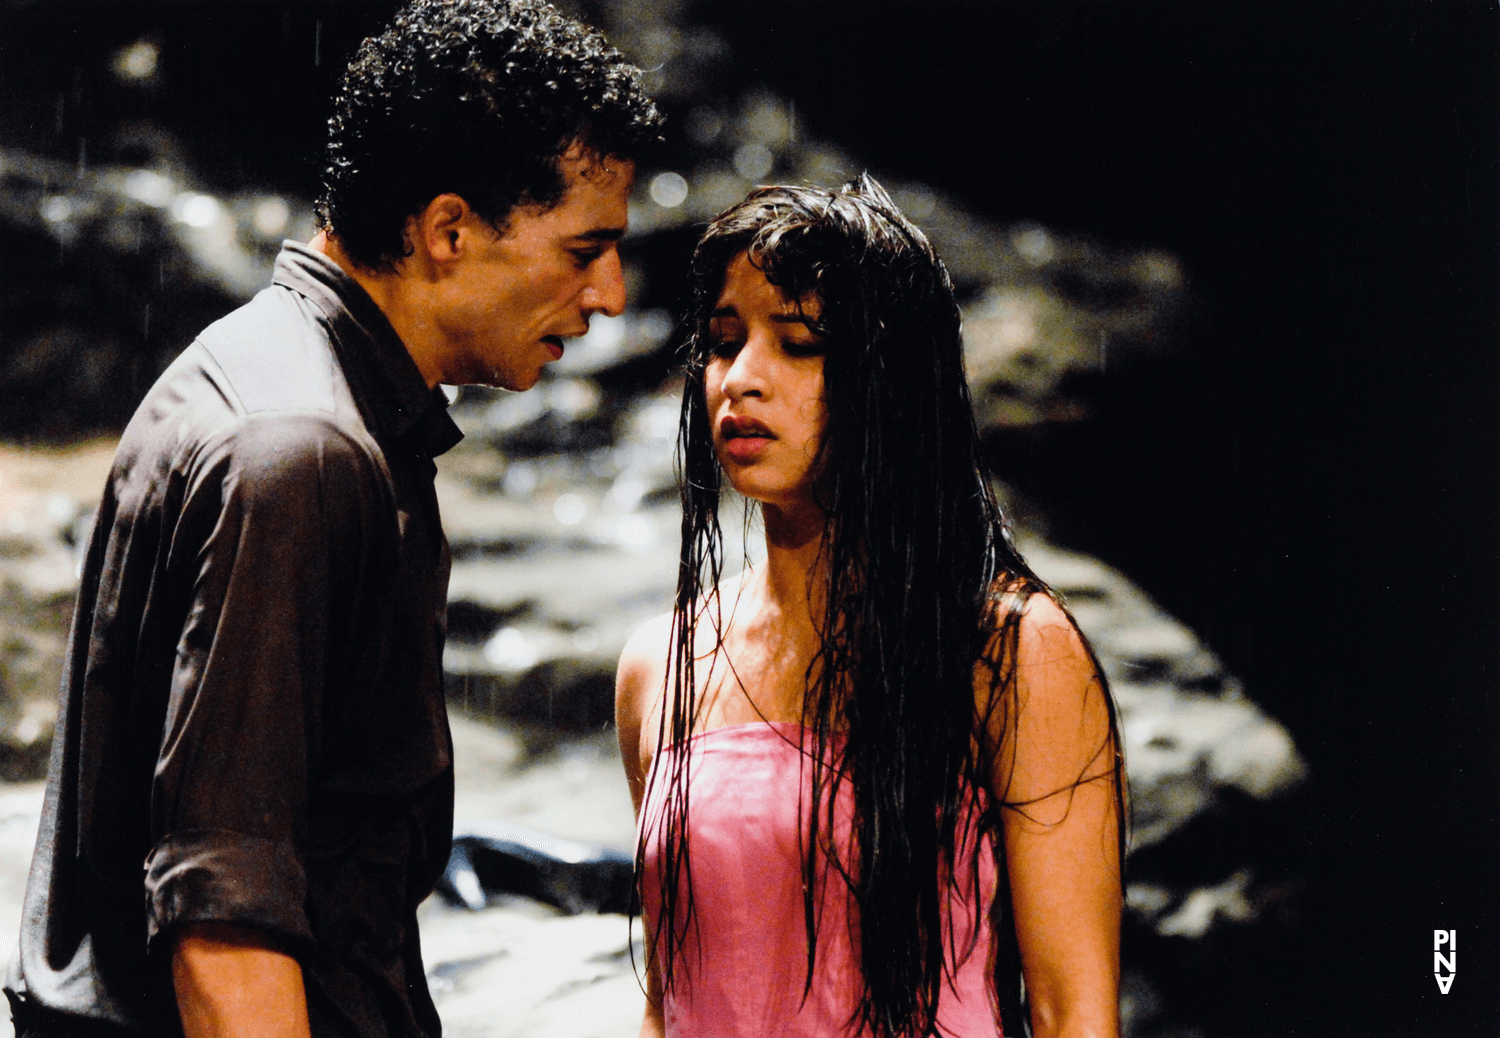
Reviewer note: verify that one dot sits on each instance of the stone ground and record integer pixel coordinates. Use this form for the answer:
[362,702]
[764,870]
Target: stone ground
[517,969]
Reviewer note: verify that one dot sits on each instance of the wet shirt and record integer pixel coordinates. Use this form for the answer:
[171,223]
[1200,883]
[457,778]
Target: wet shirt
[252,726]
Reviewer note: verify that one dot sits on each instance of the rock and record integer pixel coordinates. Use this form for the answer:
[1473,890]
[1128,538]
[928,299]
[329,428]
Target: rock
[1190,733]
[497,860]
[519,967]
[520,970]
[46,499]
[1035,354]
[558,557]
[20,814]
[88,330]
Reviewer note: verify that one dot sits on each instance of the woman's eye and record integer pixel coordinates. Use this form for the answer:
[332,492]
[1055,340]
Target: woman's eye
[724,347]
[804,348]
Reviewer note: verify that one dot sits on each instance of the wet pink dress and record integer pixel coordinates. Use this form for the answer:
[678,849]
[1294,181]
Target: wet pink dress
[745,959]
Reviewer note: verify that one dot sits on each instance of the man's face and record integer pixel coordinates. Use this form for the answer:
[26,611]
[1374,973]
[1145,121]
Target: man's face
[510,301]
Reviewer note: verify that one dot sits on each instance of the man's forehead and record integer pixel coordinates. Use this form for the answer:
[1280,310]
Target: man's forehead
[583,164]
[595,204]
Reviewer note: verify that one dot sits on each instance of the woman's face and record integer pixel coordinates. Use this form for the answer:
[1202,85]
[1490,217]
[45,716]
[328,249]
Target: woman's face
[764,387]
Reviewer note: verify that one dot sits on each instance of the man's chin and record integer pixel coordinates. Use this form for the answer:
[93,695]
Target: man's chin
[512,381]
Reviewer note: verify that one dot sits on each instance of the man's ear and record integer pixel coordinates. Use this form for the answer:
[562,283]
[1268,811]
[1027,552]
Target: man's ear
[438,233]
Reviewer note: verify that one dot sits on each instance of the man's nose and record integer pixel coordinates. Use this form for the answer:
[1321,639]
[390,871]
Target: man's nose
[605,293]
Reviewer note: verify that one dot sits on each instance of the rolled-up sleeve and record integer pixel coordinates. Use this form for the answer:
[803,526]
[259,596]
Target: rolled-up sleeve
[274,541]
[211,874]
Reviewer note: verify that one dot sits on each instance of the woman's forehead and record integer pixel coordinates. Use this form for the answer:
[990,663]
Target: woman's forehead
[745,286]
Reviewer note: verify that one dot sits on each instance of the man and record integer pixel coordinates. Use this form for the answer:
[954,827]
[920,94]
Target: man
[251,784]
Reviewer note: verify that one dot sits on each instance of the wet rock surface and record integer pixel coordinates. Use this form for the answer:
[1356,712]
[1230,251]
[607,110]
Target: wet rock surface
[520,967]
[46,497]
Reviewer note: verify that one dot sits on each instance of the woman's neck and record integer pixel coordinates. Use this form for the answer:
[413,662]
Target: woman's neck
[796,574]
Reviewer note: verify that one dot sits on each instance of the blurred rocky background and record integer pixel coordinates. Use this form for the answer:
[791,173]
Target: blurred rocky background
[1228,296]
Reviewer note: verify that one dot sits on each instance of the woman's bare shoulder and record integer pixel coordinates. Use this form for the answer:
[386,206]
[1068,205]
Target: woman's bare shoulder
[1046,627]
[644,660]
[1032,613]
[1033,643]
[731,591]
[640,686]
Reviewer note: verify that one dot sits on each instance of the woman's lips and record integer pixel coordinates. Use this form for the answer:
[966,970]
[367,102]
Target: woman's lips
[744,439]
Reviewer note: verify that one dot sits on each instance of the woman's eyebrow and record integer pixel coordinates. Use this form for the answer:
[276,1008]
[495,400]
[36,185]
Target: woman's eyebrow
[729,311]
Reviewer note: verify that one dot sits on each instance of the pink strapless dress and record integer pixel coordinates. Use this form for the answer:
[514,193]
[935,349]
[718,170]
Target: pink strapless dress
[745,958]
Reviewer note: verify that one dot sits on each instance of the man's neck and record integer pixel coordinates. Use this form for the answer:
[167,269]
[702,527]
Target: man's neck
[392,292]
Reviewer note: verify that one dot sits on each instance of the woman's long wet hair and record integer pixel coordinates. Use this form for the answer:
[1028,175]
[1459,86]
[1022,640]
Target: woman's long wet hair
[922,583]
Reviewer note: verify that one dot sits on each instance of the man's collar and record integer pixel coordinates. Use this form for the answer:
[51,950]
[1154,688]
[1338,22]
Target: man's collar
[393,394]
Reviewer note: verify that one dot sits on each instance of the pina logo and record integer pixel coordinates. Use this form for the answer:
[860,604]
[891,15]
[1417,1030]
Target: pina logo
[1444,939]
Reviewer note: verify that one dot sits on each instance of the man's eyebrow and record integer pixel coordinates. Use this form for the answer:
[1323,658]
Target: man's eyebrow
[600,234]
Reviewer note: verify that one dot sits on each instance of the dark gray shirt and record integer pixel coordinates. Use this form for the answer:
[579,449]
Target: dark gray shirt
[252,726]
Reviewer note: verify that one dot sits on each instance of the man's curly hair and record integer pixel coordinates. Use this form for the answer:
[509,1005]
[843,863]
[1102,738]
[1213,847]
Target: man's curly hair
[479,98]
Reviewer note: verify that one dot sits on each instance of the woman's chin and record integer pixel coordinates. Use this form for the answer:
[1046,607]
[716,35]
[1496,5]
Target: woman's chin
[755,486]
[794,505]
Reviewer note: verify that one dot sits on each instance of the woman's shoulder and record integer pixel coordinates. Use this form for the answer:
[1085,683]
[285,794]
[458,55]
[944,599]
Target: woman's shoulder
[640,684]
[647,651]
[1026,626]
[1041,614]
[1025,599]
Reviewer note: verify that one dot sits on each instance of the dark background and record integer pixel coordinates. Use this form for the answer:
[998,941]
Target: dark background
[1313,487]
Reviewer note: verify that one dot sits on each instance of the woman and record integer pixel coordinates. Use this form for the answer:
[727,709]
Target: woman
[878,773]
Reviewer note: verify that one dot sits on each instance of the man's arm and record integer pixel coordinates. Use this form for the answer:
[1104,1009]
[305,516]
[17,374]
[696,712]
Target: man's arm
[231,983]
[271,522]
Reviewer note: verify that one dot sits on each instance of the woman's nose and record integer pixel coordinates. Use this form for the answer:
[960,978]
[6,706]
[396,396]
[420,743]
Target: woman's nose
[746,374]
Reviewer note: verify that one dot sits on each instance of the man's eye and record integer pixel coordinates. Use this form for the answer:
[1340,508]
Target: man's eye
[583,257]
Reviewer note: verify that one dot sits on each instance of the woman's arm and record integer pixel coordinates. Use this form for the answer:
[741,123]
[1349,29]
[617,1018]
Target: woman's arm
[638,697]
[653,1025]
[1054,772]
